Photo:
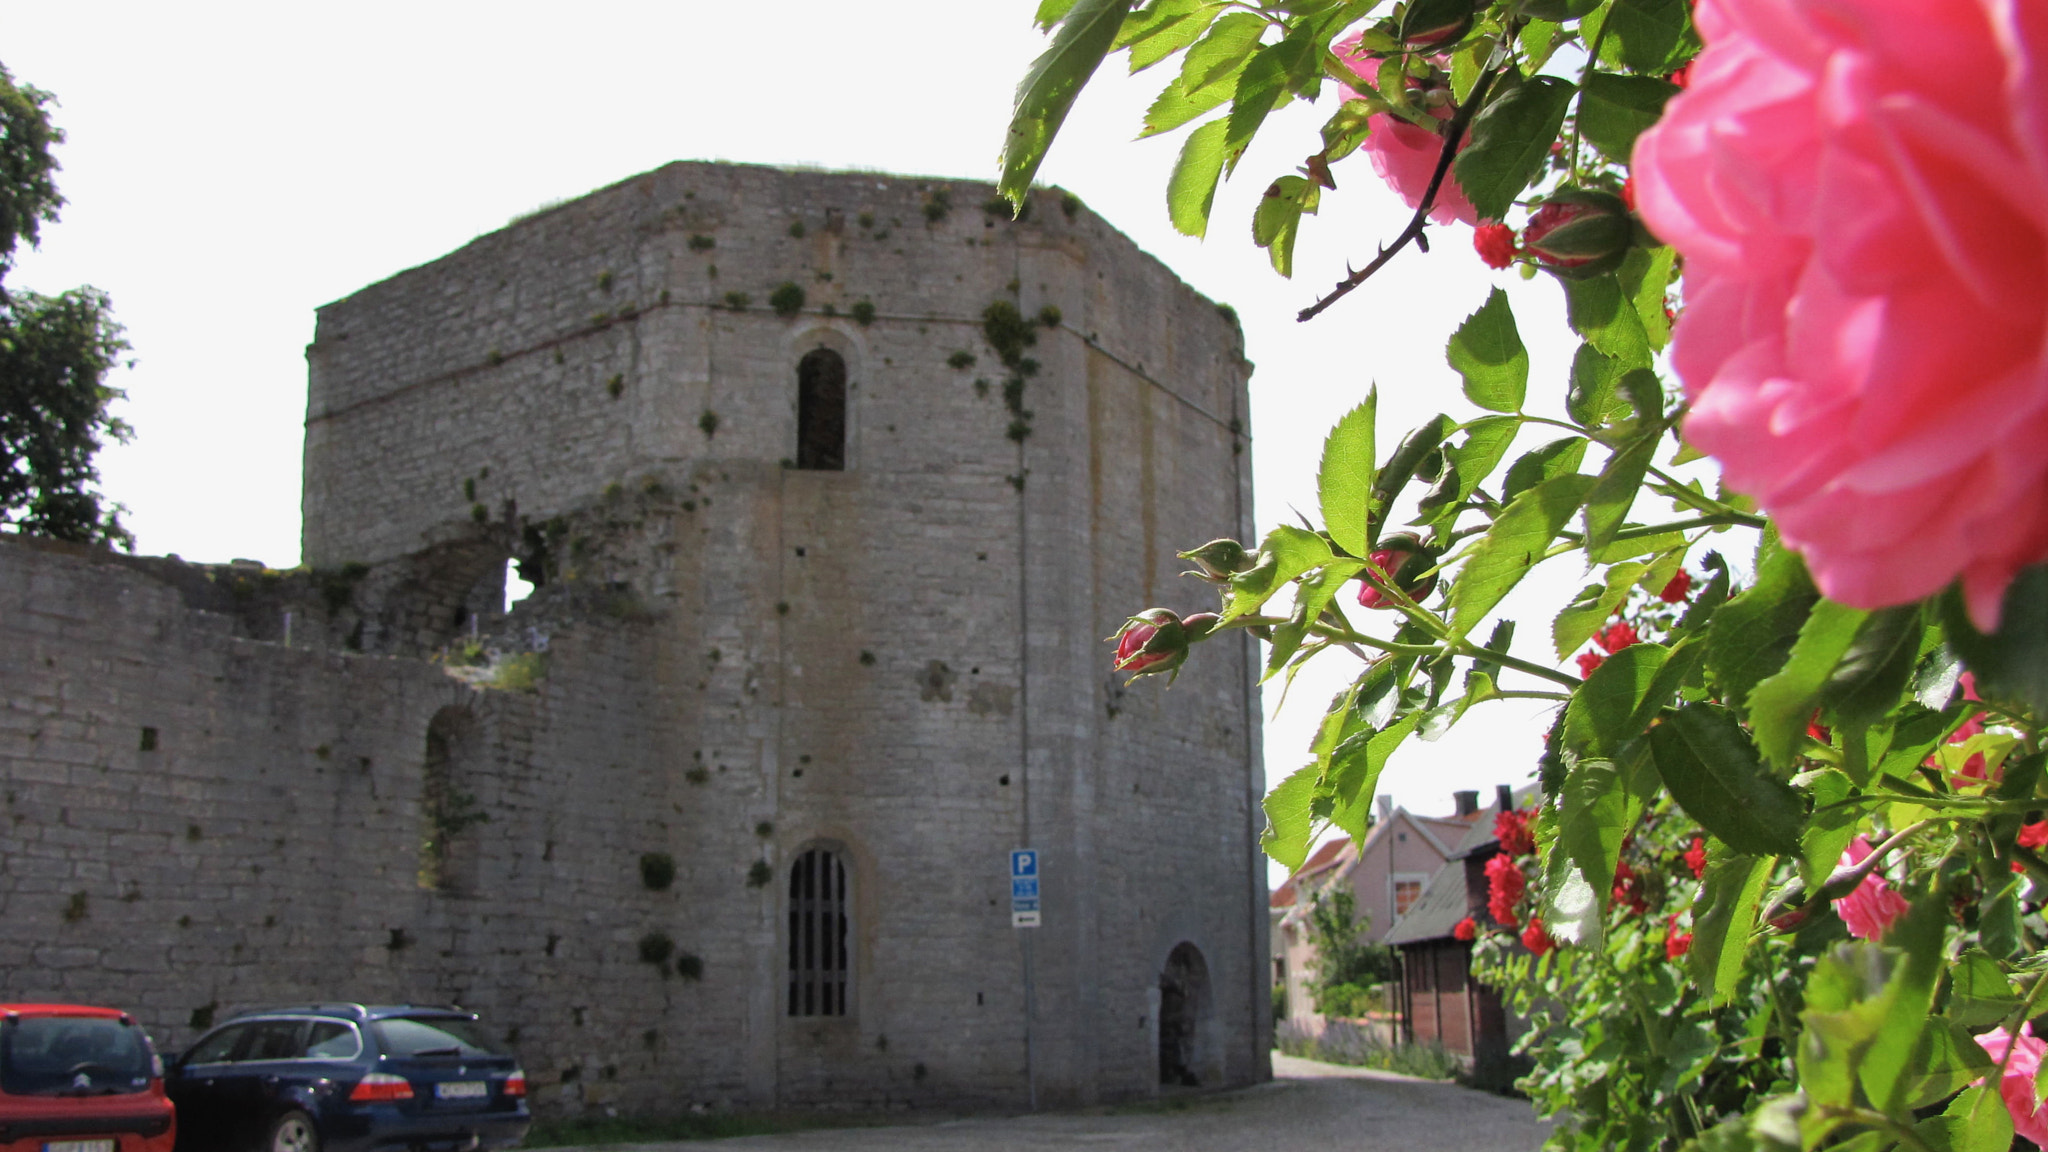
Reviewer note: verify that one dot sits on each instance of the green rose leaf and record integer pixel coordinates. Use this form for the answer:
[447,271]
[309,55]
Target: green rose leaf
[1752,634]
[1979,995]
[1711,769]
[1649,35]
[1355,769]
[1602,314]
[1601,717]
[1273,73]
[1614,110]
[1174,107]
[1288,823]
[1086,31]
[2012,663]
[1487,351]
[1511,139]
[1723,918]
[1344,482]
[1513,545]
[1164,27]
[1191,189]
[1277,220]
[1557,458]
[1608,506]
[1595,813]
[1286,553]
[1781,705]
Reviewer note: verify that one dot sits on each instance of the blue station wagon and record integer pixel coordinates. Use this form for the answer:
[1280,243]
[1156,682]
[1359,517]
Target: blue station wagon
[348,1078]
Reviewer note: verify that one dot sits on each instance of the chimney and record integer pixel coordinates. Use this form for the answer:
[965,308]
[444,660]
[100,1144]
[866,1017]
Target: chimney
[1506,795]
[1468,802]
[1386,806]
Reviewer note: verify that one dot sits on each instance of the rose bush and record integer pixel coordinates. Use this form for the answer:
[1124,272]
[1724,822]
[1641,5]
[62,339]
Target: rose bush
[1784,887]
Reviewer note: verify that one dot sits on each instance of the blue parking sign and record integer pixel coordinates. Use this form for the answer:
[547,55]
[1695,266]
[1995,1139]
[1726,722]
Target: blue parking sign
[1024,862]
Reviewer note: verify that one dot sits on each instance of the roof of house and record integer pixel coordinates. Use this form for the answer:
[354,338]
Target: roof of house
[1435,912]
[1325,858]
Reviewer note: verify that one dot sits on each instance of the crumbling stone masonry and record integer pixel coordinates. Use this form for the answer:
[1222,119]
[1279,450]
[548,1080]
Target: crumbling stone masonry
[753,693]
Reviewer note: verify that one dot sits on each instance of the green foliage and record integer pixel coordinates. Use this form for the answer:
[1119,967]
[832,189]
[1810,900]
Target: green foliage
[863,312]
[1341,1042]
[738,301]
[55,354]
[1345,964]
[655,948]
[787,299]
[702,243]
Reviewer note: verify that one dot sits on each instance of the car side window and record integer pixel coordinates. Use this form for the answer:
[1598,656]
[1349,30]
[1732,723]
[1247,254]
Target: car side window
[331,1040]
[274,1040]
[218,1047]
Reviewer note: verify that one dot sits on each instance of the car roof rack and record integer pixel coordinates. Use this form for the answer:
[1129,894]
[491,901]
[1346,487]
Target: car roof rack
[353,1010]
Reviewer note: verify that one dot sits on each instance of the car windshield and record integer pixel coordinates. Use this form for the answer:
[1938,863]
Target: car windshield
[406,1037]
[72,1056]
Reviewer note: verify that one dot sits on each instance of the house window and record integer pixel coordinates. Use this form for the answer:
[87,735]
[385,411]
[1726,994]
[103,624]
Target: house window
[821,411]
[818,929]
[1405,894]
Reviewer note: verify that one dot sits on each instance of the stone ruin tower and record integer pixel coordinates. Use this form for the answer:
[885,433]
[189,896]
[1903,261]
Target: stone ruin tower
[829,486]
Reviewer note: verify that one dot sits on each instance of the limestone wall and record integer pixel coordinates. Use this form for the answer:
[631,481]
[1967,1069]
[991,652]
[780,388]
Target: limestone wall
[901,660]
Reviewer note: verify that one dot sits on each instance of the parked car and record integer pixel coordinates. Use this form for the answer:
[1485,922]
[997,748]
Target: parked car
[79,1079]
[348,1078]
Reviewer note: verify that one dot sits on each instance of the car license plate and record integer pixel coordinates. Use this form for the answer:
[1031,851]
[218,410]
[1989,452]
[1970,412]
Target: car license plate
[459,1089]
[78,1146]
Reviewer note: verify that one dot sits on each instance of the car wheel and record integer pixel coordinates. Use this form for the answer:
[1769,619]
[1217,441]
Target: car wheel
[291,1132]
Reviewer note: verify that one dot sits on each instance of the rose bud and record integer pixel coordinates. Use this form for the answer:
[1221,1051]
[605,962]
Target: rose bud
[1428,23]
[1579,233]
[1402,561]
[1156,640]
[1218,560]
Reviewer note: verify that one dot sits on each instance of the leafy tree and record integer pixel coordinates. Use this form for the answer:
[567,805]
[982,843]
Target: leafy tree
[55,353]
[1346,966]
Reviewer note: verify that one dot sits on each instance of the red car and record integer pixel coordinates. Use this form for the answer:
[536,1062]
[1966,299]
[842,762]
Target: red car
[78,1079]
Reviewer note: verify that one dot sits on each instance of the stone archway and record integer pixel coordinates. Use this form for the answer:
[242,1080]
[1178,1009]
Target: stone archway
[1184,1011]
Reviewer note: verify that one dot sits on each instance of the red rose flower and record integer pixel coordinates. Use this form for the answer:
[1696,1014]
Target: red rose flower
[1628,890]
[1678,588]
[1588,661]
[1617,636]
[1535,939]
[1676,943]
[1505,885]
[1495,243]
[1465,930]
[1696,857]
[1512,830]
[2034,835]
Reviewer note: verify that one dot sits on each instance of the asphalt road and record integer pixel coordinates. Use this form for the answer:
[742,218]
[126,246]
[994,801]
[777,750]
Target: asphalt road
[1307,1107]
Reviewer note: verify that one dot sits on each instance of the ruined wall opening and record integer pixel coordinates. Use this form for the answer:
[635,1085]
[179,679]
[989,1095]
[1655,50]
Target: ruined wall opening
[821,411]
[820,934]
[448,806]
[1184,1017]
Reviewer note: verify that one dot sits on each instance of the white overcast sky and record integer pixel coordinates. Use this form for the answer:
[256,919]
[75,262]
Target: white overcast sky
[232,166]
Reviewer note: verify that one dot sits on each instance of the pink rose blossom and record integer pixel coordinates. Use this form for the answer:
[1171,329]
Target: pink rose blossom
[2016,1087]
[1872,907]
[1405,154]
[1860,191]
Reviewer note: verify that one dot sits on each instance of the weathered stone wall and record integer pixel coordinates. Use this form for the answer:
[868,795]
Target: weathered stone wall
[902,660]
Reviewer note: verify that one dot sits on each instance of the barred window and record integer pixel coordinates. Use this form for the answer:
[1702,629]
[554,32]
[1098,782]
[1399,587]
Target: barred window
[821,411]
[819,960]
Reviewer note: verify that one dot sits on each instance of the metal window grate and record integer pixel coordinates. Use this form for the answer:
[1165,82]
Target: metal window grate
[818,924]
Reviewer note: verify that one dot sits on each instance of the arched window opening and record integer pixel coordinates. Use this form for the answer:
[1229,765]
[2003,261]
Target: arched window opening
[1183,1017]
[447,859]
[819,959]
[821,411]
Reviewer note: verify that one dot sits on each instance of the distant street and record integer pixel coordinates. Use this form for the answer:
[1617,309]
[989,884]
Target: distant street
[1309,1107]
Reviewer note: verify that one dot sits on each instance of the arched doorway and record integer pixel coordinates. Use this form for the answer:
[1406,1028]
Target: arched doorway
[1183,1017]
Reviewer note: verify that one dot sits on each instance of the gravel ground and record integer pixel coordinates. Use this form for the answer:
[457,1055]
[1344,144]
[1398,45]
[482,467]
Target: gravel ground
[1308,1107]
